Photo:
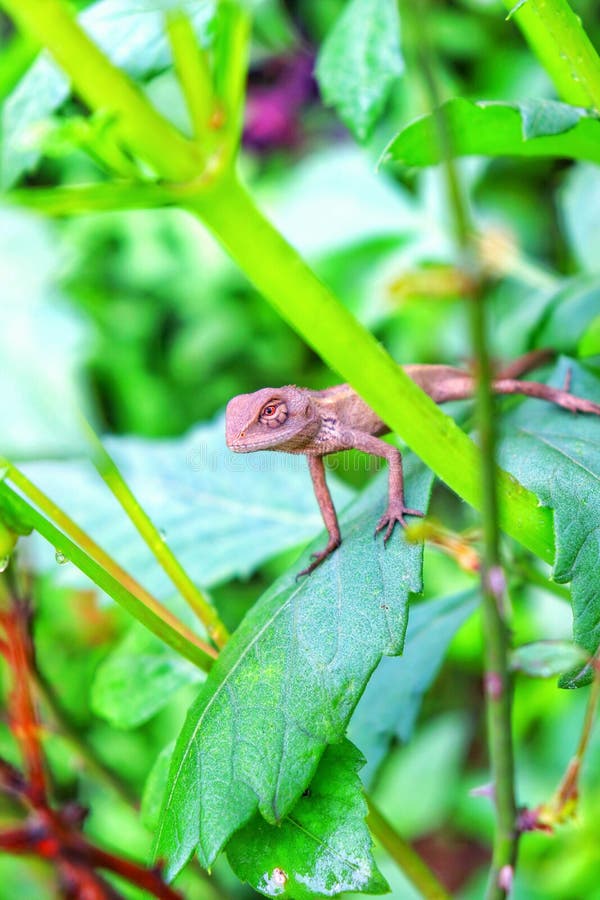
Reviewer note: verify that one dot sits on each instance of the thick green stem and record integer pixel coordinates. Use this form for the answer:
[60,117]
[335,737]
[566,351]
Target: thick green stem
[407,859]
[94,562]
[104,87]
[293,289]
[557,37]
[109,472]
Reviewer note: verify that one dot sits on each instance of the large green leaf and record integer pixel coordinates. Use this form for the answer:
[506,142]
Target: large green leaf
[557,455]
[221,513]
[286,683]
[322,847]
[132,34]
[491,128]
[359,62]
[392,699]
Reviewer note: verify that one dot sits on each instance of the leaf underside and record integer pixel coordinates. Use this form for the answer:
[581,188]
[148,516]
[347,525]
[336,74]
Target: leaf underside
[323,847]
[392,699]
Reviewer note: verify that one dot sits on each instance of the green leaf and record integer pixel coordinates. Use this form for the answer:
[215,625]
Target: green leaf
[392,699]
[323,847]
[545,659]
[359,62]
[568,314]
[589,345]
[133,38]
[557,455]
[222,513]
[287,682]
[579,204]
[40,390]
[491,128]
[138,679]
[155,787]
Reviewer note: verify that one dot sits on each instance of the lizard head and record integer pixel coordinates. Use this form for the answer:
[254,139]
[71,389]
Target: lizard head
[282,418]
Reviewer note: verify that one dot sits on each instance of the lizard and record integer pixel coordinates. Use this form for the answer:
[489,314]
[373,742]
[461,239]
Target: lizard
[319,422]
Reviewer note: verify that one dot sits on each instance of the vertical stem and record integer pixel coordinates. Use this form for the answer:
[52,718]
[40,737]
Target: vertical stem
[497,679]
[407,859]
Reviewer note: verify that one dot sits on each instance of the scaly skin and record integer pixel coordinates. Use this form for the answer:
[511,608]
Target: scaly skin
[315,423]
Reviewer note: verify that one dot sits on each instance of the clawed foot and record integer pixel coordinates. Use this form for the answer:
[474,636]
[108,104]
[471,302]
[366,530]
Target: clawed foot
[318,558]
[394,513]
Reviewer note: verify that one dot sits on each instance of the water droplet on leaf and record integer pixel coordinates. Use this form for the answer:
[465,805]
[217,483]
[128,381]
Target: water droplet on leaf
[60,558]
[4,561]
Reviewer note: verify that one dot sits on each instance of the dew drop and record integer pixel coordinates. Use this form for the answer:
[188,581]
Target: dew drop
[162,534]
[60,558]
[4,561]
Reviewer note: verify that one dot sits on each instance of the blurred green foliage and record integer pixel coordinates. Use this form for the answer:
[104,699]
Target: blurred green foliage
[162,330]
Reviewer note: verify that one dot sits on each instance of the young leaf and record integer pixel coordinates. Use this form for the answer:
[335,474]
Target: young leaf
[392,698]
[544,659]
[556,454]
[138,678]
[286,683]
[491,128]
[360,61]
[322,847]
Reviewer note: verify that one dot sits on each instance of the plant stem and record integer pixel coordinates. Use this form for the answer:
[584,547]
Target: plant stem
[191,65]
[557,37]
[407,859]
[102,86]
[17,56]
[109,472]
[104,571]
[497,639]
[293,289]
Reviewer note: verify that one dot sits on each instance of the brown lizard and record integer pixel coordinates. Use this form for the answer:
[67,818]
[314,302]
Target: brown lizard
[316,423]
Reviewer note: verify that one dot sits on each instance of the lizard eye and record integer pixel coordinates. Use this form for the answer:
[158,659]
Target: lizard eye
[273,414]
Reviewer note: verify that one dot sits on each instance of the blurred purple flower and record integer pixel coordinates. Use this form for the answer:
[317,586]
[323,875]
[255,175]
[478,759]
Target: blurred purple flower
[277,92]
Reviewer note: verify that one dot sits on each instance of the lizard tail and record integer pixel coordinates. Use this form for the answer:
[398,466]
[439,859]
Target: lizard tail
[545,392]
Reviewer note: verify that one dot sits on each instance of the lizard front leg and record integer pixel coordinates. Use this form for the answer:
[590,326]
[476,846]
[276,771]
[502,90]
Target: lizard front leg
[316,468]
[396,509]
